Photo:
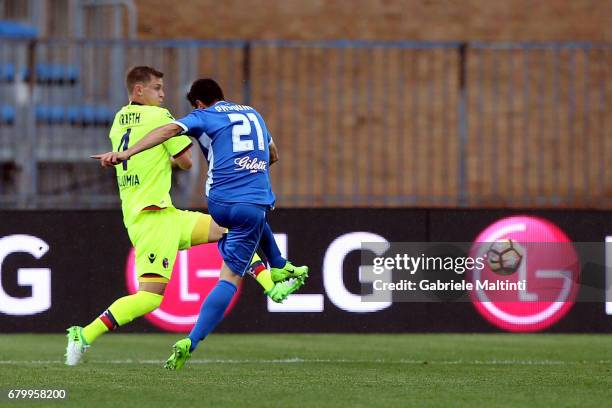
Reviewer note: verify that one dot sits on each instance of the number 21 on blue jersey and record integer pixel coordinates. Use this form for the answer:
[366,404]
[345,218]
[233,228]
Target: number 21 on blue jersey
[242,127]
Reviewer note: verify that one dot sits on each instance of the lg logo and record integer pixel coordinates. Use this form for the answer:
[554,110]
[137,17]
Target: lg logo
[39,279]
[333,281]
[550,267]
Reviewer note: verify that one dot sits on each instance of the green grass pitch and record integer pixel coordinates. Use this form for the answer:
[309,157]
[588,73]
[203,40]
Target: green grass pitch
[318,371]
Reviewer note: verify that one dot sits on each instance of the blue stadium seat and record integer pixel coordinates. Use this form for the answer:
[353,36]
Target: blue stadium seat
[45,73]
[71,73]
[13,29]
[73,115]
[7,72]
[49,115]
[86,115]
[40,112]
[56,114]
[104,115]
[7,115]
[89,115]
[54,73]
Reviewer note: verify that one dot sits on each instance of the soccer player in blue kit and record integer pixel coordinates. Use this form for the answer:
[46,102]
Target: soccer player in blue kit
[236,142]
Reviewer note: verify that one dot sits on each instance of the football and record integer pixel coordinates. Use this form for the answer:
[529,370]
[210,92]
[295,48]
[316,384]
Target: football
[504,256]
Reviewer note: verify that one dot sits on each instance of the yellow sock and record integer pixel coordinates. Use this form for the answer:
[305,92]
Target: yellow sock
[261,274]
[121,312]
[265,279]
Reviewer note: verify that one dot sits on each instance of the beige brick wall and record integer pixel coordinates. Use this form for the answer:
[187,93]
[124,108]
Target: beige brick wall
[521,20]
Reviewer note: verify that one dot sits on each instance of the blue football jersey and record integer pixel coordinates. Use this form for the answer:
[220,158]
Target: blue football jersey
[234,140]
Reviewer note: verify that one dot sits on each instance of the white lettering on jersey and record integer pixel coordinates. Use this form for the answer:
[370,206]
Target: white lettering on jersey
[254,165]
[230,108]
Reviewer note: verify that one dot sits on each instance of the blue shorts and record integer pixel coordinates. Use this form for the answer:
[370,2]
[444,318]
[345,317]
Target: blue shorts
[245,223]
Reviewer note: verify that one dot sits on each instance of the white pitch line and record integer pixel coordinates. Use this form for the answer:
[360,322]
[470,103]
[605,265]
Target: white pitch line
[297,360]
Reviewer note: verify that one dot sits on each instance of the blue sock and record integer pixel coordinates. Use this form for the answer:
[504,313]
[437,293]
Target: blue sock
[268,245]
[212,311]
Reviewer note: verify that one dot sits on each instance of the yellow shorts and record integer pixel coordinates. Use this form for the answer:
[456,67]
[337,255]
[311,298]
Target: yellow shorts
[158,235]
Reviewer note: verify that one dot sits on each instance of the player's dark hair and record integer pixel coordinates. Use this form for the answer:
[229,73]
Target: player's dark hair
[205,90]
[140,74]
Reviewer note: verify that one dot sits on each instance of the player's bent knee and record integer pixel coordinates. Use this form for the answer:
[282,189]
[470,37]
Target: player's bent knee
[134,306]
[149,301]
[226,274]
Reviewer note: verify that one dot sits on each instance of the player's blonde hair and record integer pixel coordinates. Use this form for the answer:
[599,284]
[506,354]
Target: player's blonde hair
[140,74]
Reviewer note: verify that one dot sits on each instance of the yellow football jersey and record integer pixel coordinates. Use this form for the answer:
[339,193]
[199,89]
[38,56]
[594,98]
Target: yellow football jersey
[145,178]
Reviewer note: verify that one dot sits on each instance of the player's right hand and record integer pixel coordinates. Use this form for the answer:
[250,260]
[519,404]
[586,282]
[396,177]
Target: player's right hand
[109,159]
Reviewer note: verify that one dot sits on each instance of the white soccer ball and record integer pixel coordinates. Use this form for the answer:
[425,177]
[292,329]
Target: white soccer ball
[504,256]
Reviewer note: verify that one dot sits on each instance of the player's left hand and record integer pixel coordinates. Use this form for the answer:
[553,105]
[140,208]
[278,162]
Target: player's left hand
[110,159]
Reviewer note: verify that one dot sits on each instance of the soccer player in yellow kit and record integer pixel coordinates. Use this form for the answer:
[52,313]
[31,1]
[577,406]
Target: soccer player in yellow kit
[156,228]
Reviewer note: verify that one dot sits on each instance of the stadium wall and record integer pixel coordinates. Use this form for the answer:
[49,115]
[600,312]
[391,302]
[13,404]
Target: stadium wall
[480,20]
[52,277]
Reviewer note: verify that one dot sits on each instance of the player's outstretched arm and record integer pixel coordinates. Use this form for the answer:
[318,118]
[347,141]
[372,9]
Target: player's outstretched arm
[152,139]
